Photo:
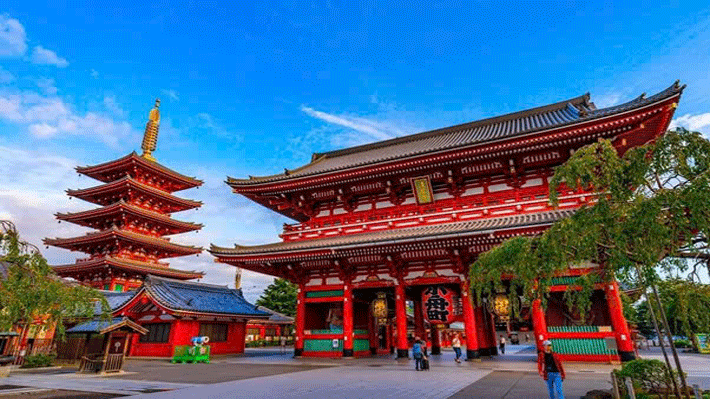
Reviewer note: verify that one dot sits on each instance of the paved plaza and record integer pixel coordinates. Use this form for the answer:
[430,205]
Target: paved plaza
[268,373]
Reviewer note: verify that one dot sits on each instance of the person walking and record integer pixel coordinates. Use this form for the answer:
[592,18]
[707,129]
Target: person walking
[418,354]
[501,346]
[456,344]
[550,368]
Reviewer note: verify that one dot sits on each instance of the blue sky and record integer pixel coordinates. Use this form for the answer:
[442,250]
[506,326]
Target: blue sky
[253,88]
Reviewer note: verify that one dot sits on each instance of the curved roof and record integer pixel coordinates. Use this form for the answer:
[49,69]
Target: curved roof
[563,113]
[135,266]
[395,236]
[123,184]
[104,172]
[113,234]
[200,298]
[84,217]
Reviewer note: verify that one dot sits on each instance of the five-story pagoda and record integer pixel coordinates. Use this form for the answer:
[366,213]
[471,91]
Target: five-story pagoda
[136,202]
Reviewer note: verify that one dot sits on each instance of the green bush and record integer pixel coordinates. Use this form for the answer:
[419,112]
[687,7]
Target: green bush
[38,360]
[649,376]
[682,343]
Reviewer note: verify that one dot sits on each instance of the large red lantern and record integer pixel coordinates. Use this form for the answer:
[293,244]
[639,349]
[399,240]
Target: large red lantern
[439,304]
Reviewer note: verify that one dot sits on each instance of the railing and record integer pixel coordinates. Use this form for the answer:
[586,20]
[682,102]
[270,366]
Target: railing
[113,363]
[98,364]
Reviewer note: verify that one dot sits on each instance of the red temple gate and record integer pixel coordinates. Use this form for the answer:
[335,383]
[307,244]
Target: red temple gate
[400,216]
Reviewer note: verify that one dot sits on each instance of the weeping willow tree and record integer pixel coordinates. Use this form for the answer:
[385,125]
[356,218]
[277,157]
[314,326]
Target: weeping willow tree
[649,207]
[31,292]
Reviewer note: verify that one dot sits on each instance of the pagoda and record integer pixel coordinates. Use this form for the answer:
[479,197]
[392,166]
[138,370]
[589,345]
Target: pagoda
[133,221]
[401,220]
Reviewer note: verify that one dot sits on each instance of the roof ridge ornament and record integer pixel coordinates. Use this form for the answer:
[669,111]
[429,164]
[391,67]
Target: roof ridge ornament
[150,137]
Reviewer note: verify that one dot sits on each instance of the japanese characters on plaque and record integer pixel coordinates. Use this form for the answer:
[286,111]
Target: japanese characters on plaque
[422,190]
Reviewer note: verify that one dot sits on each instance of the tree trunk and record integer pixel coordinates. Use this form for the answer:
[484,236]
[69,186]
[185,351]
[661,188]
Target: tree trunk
[658,332]
[664,319]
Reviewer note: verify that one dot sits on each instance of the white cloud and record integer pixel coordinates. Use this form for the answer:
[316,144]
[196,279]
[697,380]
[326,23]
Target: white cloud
[13,39]
[698,123]
[6,76]
[171,94]
[607,100]
[47,85]
[43,130]
[46,116]
[111,105]
[94,74]
[43,56]
[373,129]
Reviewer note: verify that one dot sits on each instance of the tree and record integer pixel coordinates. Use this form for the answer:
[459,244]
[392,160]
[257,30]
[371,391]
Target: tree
[280,296]
[648,207]
[686,303]
[31,291]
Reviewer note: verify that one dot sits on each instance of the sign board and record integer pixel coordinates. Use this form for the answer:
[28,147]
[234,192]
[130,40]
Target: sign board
[336,344]
[703,342]
[422,190]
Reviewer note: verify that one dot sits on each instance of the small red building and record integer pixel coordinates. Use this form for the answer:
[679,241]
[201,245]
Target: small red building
[272,329]
[174,311]
[397,221]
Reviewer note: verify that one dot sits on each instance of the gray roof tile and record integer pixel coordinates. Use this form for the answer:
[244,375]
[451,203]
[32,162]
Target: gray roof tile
[478,226]
[557,115]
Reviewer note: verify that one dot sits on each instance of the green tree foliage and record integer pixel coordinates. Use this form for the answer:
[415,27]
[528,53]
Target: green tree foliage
[32,291]
[650,205]
[686,303]
[280,296]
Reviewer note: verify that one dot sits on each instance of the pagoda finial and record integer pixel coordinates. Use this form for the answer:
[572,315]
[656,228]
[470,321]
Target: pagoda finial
[150,137]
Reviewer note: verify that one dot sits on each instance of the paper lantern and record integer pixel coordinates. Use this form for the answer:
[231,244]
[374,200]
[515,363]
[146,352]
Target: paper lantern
[439,305]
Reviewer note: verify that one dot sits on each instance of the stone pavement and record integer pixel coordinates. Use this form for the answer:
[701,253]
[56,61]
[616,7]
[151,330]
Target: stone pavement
[342,382]
[513,375]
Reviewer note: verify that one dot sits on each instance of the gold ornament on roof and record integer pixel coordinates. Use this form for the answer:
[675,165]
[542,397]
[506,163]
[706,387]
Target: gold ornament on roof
[150,137]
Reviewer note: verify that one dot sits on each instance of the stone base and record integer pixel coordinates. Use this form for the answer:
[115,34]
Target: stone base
[373,350]
[472,354]
[402,353]
[436,350]
[627,356]
[297,352]
[348,353]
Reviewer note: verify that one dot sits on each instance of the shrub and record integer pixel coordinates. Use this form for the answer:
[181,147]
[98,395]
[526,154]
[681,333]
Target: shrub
[38,360]
[682,343]
[648,375]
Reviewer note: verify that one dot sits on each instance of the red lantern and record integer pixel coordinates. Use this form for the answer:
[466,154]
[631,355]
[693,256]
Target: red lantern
[439,304]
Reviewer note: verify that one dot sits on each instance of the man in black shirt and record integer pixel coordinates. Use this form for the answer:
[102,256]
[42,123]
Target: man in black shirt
[550,368]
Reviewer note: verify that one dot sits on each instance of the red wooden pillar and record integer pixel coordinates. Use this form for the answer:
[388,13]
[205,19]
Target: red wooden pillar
[435,340]
[621,328]
[347,321]
[372,329]
[419,329]
[300,321]
[539,323]
[401,313]
[469,321]
[494,335]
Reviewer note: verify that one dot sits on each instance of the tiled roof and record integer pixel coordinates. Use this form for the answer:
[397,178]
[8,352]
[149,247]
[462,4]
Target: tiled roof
[396,236]
[126,264]
[115,299]
[568,112]
[200,298]
[122,206]
[276,317]
[104,326]
[113,233]
[97,171]
[127,182]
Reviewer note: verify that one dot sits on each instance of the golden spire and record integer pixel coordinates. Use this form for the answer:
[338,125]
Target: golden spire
[150,137]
